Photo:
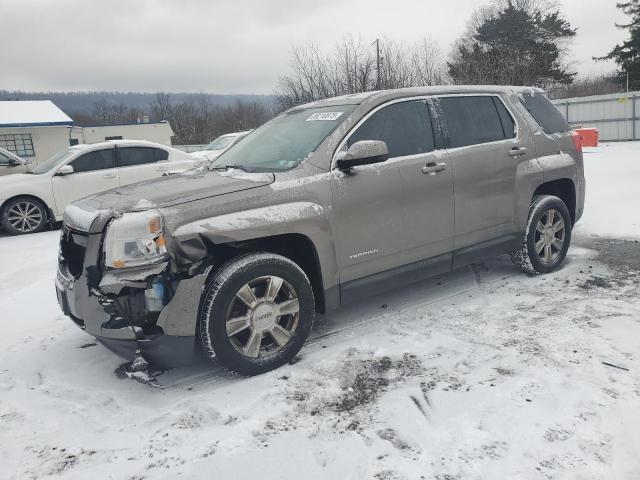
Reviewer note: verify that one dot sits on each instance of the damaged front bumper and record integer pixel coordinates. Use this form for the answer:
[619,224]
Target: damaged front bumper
[114,308]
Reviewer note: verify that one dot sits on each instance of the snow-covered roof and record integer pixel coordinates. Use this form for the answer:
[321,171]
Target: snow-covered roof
[31,113]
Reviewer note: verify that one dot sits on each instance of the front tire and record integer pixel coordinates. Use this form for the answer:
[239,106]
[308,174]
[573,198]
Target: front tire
[23,215]
[256,313]
[548,236]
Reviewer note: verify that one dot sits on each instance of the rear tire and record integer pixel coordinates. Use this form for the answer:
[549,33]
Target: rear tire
[23,215]
[256,313]
[547,238]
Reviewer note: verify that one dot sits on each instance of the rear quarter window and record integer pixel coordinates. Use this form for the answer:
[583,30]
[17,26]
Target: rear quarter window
[545,113]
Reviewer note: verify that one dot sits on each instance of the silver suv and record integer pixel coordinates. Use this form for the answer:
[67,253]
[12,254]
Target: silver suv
[329,202]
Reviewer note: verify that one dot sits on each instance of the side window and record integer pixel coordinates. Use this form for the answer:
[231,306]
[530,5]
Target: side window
[130,156]
[98,160]
[545,113]
[405,127]
[471,120]
[508,124]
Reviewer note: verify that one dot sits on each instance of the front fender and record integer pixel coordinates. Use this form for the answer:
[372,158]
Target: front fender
[38,189]
[298,217]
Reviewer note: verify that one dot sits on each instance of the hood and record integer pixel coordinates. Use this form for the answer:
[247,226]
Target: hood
[12,170]
[169,191]
[13,176]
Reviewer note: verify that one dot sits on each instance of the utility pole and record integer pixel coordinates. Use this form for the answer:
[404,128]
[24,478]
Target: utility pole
[377,42]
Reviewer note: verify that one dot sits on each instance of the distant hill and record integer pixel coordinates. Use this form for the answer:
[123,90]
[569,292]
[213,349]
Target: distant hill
[82,103]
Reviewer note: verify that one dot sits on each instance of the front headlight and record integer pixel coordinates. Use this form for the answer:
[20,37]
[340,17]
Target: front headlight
[135,239]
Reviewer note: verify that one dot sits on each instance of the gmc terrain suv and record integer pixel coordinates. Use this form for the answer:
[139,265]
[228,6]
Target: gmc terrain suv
[328,202]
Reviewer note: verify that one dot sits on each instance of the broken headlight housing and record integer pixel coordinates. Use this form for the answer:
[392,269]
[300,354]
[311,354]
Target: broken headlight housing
[135,239]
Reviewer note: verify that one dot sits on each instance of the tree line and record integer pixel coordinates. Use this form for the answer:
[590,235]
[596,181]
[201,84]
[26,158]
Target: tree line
[195,119]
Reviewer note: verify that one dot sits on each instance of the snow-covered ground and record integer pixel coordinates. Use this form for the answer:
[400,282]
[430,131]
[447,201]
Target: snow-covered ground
[484,373]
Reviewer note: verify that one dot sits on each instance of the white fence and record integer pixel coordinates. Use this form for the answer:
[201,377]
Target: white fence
[616,116]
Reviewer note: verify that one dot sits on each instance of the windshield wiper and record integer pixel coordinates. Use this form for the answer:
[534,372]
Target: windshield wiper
[227,167]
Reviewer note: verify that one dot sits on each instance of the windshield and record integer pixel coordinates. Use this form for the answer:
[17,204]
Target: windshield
[285,141]
[4,159]
[53,162]
[220,143]
[8,158]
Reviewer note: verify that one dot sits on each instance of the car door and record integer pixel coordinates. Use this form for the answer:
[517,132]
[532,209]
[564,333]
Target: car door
[136,164]
[486,148]
[400,211]
[93,172]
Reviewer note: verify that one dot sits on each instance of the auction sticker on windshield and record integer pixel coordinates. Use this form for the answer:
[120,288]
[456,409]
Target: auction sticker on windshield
[324,116]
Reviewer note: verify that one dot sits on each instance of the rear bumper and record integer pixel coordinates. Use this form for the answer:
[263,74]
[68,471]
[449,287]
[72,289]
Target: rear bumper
[581,195]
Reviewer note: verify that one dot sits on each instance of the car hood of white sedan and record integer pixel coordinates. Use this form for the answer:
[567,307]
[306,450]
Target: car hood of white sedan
[14,179]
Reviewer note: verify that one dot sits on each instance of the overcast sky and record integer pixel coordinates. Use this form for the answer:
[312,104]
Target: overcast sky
[231,46]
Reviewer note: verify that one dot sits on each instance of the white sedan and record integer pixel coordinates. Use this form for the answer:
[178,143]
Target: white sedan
[220,145]
[31,200]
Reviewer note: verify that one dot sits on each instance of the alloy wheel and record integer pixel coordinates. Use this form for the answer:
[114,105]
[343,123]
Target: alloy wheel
[25,216]
[262,316]
[550,236]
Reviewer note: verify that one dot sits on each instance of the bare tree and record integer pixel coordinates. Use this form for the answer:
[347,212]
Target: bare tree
[428,64]
[395,66]
[161,107]
[352,68]
[105,113]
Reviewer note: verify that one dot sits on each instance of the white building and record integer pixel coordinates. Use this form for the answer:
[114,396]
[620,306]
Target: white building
[37,130]
[159,132]
[34,130]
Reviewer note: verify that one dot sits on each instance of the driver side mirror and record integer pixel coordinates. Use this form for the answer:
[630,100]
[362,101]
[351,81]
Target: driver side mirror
[364,152]
[14,163]
[65,170]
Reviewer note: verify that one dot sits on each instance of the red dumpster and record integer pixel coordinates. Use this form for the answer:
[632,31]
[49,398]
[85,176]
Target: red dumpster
[588,136]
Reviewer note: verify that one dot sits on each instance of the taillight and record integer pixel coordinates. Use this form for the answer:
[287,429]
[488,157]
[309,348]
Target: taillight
[576,141]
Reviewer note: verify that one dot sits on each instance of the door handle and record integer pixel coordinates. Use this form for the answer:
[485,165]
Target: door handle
[517,151]
[109,175]
[433,168]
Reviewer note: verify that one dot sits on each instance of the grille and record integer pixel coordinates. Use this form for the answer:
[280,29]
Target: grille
[73,246]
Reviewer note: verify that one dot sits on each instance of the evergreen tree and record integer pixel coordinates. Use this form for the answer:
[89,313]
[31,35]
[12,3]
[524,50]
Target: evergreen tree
[519,42]
[627,55]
